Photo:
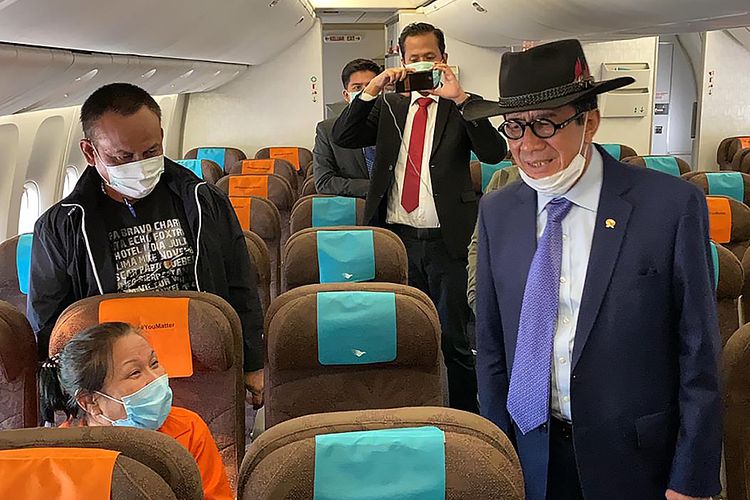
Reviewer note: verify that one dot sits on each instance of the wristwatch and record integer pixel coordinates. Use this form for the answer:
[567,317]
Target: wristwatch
[472,97]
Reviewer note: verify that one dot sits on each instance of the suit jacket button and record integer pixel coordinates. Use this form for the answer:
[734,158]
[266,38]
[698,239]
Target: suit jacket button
[432,166]
[390,167]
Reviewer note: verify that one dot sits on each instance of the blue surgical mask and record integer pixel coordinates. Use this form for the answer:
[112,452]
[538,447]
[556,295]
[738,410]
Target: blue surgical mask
[147,408]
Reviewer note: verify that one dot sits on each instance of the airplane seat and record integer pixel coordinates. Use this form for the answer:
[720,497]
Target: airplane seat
[198,339]
[259,255]
[15,266]
[664,163]
[735,185]
[207,170]
[322,210]
[481,173]
[448,453]
[300,158]
[224,157]
[735,371]
[728,147]
[351,346]
[343,254]
[729,223]
[260,216]
[282,168]
[308,187]
[619,151]
[270,186]
[133,464]
[729,280]
[741,161]
[19,405]
[309,170]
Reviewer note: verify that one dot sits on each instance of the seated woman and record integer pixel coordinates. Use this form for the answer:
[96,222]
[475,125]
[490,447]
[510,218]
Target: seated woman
[109,375]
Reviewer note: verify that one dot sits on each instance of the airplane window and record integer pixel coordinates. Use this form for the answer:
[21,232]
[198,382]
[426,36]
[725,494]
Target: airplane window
[71,177]
[29,207]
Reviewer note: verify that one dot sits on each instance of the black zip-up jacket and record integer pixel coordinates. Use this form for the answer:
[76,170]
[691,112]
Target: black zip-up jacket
[71,256]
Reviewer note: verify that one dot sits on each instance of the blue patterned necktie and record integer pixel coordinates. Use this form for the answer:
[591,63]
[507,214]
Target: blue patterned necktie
[369,153]
[529,392]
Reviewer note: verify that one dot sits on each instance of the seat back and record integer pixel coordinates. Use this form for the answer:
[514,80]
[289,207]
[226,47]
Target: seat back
[735,367]
[222,156]
[664,163]
[731,184]
[343,254]
[321,210]
[300,158]
[212,351]
[149,465]
[15,265]
[270,186]
[290,460]
[18,364]
[351,346]
[729,279]
[262,217]
[729,223]
[207,170]
[741,161]
[728,148]
[619,151]
[308,187]
[261,259]
[282,168]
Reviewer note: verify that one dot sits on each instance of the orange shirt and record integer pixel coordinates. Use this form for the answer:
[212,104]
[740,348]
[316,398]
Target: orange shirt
[189,429]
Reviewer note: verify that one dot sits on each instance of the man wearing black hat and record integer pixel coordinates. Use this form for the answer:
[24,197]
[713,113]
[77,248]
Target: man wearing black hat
[420,186]
[597,332]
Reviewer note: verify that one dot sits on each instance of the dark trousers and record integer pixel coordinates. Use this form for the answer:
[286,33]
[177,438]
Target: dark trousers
[443,279]
[562,473]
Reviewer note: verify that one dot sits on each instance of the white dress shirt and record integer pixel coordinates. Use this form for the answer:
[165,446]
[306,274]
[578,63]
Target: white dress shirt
[425,215]
[578,232]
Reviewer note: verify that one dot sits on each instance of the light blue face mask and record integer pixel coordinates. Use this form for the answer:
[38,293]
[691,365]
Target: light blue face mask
[147,408]
[353,95]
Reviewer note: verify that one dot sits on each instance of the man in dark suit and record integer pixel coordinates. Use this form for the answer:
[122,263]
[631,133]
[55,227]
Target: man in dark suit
[597,333]
[337,170]
[421,186]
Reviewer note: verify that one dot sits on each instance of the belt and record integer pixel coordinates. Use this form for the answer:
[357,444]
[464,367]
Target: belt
[416,233]
[561,427]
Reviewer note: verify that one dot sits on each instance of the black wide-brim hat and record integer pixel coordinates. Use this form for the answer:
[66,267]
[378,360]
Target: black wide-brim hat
[544,77]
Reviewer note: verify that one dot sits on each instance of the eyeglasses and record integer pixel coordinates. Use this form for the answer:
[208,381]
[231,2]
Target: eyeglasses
[543,128]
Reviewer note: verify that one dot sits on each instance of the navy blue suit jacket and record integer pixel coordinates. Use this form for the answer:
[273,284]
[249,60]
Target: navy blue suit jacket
[644,382]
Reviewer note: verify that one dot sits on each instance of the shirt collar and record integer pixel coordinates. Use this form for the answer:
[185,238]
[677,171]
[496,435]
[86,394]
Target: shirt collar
[416,95]
[585,193]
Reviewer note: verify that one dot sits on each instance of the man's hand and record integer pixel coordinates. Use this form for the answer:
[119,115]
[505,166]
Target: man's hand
[387,77]
[254,382]
[450,89]
[673,495]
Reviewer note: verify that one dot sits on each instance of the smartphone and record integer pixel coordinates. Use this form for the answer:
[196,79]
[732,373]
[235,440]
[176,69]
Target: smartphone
[422,80]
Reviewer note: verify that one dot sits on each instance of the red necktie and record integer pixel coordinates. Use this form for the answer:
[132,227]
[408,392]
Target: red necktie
[413,173]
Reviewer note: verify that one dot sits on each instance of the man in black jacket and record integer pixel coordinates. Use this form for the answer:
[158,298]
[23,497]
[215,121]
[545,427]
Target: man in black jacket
[137,221]
[343,171]
[421,185]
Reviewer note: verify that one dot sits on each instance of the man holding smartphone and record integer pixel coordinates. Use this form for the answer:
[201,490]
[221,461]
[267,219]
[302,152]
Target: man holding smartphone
[420,186]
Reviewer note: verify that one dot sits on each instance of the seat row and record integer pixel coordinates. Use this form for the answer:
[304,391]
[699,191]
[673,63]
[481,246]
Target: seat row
[423,452]
[733,153]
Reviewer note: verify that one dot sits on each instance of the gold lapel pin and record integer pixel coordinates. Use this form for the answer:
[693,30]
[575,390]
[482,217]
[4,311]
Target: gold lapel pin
[610,223]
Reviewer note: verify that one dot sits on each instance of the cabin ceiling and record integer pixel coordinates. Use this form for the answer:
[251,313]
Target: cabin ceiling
[233,31]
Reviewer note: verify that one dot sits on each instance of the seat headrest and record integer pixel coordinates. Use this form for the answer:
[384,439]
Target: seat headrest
[728,148]
[729,276]
[15,266]
[267,469]
[320,210]
[223,156]
[213,326]
[734,185]
[207,170]
[269,186]
[159,452]
[729,220]
[346,253]
[618,151]
[663,163]
[300,158]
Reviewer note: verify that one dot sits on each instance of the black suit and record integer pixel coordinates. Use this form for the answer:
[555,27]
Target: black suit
[437,257]
[338,170]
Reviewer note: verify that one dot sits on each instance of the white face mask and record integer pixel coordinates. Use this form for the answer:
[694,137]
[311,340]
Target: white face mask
[136,179]
[558,184]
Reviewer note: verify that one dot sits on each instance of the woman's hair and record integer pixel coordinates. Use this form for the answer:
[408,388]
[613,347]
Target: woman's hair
[80,367]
